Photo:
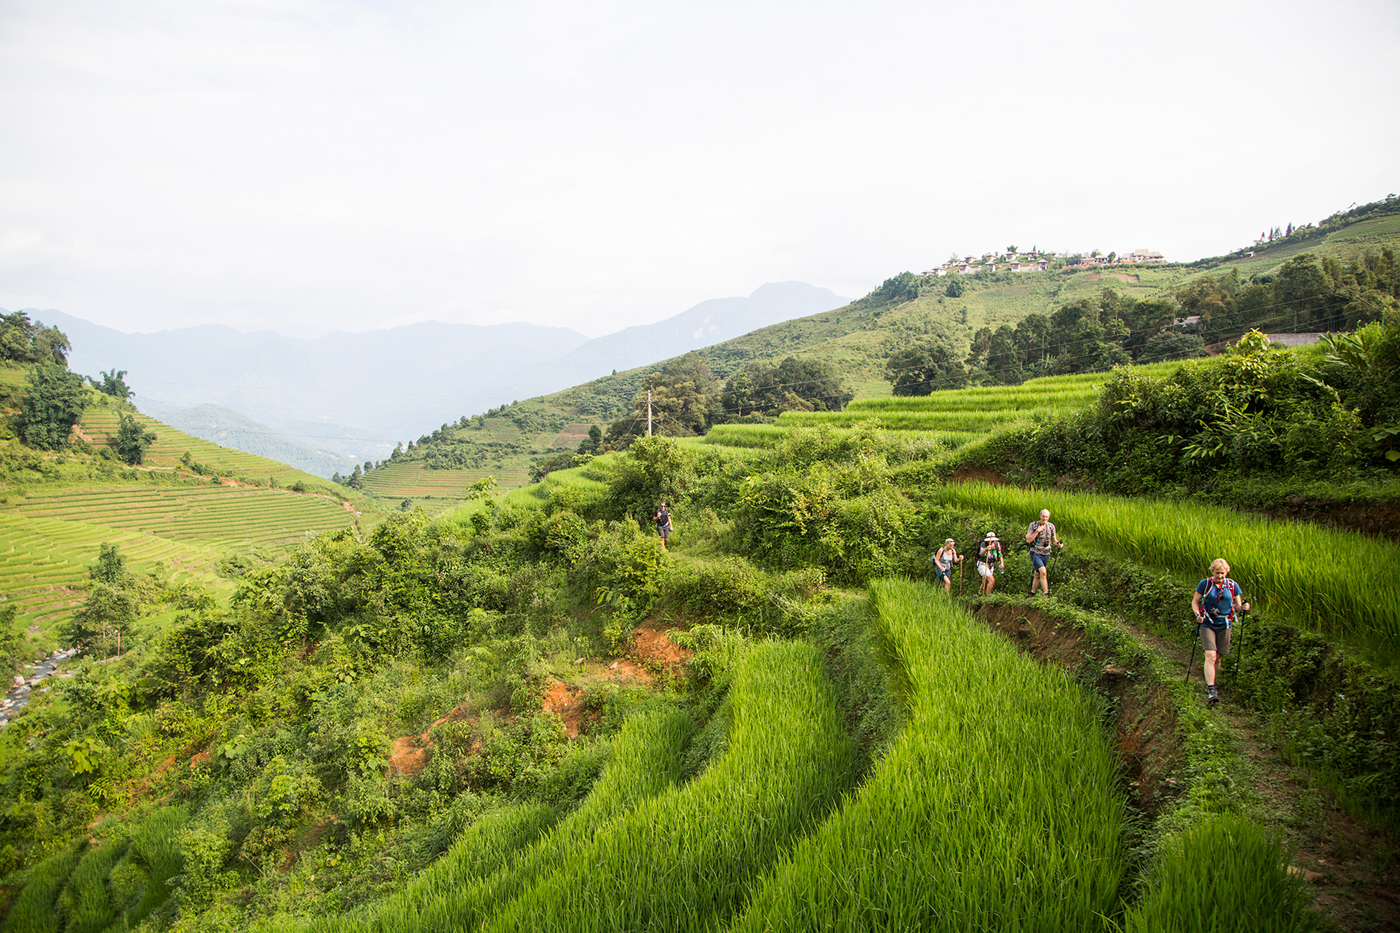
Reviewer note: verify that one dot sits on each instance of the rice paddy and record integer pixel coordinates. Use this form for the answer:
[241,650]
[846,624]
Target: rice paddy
[48,541]
[410,479]
[1226,874]
[686,858]
[100,424]
[996,808]
[1330,581]
[952,417]
[44,561]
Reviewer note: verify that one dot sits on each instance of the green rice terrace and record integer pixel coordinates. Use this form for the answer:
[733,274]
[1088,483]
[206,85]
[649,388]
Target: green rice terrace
[526,714]
[185,512]
[99,425]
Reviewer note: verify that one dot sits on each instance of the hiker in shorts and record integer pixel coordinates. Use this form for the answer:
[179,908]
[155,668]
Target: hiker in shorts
[663,524]
[943,560]
[1216,599]
[989,560]
[1041,537]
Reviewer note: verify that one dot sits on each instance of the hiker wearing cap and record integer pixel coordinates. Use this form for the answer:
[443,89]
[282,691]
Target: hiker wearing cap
[989,560]
[1214,603]
[663,524]
[943,560]
[1041,537]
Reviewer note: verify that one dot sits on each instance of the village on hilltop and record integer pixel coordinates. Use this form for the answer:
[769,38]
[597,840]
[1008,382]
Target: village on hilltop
[1036,261]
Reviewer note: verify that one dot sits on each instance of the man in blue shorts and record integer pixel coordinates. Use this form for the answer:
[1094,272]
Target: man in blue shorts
[1216,599]
[1041,537]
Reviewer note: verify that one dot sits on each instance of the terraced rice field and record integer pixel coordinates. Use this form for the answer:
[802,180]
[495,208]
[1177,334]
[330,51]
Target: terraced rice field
[43,561]
[48,541]
[951,417]
[770,435]
[1330,581]
[100,423]
[410,479]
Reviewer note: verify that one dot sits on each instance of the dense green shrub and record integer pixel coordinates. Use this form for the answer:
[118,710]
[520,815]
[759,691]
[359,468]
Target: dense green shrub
[732,591]
[848,518]
[53,403]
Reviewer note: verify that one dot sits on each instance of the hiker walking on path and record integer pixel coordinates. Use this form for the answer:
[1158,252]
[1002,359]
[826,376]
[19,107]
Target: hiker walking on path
[1214,603]
[943,560]
[1041,537]
[663,524]
[989,560]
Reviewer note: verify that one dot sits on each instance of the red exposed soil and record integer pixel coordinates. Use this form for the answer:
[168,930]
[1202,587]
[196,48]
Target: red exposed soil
[652,644]
[1130,279]
[627,671]
[652,653]
[971,474]
[410,752]
[567,703]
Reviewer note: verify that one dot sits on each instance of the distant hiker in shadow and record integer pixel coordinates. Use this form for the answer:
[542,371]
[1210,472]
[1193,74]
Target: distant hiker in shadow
[943,560]
[663,524]
[989,560]
[1214,603]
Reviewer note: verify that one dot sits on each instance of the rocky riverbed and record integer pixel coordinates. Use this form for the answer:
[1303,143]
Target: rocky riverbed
[17,697]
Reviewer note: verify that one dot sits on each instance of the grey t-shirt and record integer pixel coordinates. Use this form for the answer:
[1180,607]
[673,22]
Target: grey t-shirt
[1042,542]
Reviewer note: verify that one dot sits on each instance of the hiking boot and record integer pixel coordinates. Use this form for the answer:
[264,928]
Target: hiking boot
[1212,695]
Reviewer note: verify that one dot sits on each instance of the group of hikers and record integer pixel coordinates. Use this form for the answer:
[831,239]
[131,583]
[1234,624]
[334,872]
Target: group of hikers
[1040,538]
[1214,604]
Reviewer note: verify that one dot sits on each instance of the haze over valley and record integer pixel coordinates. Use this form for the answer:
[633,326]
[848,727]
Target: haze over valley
[357,395]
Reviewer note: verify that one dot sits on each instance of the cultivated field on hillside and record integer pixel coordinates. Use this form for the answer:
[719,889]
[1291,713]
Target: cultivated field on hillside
[49,538]
[410,479]
[100,423]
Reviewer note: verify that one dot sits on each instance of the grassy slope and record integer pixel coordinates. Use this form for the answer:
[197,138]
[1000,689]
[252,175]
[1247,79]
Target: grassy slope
[857,338]
[165,519]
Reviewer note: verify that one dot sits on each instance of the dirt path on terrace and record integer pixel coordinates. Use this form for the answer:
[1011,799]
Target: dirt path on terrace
[1354,868]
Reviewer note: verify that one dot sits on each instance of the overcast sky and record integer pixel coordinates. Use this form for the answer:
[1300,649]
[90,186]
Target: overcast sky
[307,165]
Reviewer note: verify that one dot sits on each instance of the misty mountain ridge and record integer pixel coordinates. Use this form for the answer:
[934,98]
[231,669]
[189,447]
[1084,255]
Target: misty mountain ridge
[358,394]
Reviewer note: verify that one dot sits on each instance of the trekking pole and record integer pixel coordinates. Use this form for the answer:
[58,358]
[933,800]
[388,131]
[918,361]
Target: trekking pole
[1239,652]
[1196,640]
[962,563]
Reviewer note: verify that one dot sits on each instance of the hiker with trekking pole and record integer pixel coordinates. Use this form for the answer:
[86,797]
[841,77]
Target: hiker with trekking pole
[943,560]
[989,560]
[1215,602]
[1041,538]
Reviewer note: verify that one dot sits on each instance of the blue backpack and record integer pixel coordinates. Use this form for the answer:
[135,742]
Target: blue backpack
[1234,592]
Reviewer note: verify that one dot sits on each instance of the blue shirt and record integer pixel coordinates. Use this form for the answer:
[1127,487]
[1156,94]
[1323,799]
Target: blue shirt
[1218,602]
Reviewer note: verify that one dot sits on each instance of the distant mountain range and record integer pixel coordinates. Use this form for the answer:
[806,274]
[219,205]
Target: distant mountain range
[357,395]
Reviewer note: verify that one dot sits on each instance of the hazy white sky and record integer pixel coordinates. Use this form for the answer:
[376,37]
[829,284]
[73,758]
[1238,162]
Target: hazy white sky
[309,165]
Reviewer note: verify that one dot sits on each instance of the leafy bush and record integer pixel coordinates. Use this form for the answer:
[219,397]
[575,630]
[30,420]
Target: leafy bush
[54,403]
[734,592]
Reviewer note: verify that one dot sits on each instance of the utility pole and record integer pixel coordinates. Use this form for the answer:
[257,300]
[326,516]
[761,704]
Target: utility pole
[648,413]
